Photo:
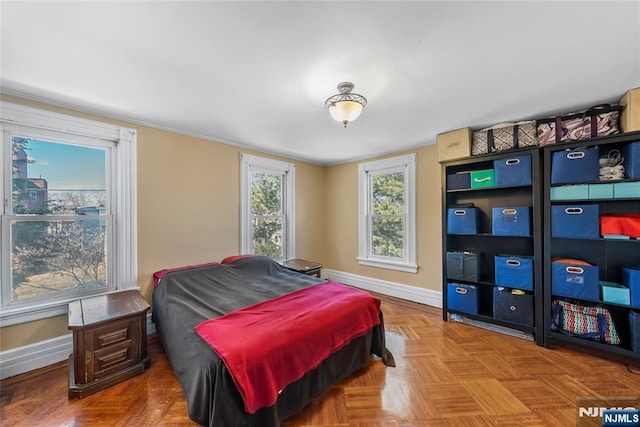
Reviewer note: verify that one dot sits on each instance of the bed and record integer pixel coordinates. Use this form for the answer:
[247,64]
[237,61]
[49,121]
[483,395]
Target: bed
[193,306]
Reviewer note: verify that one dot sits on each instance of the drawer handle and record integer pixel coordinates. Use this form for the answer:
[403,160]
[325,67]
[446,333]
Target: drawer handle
[114,336]
[575,155]
[513,262]
[575,270]
[461,291]
[512,162]
[573,211]
[113,358]
[512,308]
[509,211]
[453,144]
[485,179]
[460,212]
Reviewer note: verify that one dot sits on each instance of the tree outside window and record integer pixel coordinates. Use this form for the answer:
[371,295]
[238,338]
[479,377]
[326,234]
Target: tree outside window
[58,235]
[266,207]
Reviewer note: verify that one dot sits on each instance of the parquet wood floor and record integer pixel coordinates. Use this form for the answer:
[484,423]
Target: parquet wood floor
[447,374]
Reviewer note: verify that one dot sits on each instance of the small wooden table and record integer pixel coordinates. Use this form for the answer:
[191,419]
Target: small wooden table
[310,268]
[109,341]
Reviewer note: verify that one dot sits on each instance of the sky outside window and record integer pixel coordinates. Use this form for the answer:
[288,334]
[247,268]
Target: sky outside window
[66,166]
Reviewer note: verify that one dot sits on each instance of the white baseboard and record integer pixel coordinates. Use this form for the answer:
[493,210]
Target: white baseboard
[44,353]
[384,287]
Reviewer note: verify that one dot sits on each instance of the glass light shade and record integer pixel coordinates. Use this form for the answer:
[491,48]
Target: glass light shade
[345,111]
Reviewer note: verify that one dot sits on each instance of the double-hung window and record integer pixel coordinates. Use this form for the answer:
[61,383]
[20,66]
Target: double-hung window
[267,207]
[387,220]
[68,216]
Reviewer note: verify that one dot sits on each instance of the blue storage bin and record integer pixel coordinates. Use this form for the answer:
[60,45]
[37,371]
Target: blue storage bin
[631,163]
[513,171]
[570,192]
[626,190]
[614,292]
[463,266]
[575,166]
[514,272]
[634,329]
[462,220]
[631,279]
[512,307]
[511,221]
[457,181]
[576,281]
[575,221]
[462,297]
[601,191]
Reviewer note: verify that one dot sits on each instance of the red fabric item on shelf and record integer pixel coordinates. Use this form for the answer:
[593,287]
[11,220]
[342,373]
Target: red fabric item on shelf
[620,224]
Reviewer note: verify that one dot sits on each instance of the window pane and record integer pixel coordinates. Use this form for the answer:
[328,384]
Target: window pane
[266,194]
[55,178]
[53,257]
[387,236]
[267,237]
[387,193]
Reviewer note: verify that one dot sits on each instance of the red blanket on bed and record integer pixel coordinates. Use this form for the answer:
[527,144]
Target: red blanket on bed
[271,344]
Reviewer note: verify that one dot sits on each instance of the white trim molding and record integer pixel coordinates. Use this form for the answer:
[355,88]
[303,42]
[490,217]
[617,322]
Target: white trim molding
[385,287]
[401,164]
[122,185]
[248,164]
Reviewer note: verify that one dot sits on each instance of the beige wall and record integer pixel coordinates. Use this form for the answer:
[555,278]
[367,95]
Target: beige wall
[188,201]
[342,223]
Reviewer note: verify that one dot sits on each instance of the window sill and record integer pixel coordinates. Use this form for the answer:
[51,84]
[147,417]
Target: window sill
[17,315]
[390,265]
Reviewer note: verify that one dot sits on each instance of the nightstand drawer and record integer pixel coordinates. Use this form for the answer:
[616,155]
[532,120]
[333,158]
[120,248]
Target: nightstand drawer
[114,333]
[112,359]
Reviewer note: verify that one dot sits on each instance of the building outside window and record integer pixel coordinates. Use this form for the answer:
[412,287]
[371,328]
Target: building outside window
[387,223]
[267,202]
[68,218]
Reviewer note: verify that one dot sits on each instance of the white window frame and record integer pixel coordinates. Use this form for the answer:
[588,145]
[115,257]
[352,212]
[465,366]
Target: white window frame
[406,164]
[248,165]
[122,182]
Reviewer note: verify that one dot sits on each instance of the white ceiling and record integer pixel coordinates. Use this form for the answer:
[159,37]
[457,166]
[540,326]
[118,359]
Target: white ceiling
[256,74]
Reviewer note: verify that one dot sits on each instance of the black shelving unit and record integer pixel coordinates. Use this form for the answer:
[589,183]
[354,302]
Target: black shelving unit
[608,254]
[489,245]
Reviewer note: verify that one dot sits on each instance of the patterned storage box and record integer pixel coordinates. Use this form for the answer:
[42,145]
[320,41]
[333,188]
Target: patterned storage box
[462,298]
[575,166]
[575,221]
[513,171]
[504,136]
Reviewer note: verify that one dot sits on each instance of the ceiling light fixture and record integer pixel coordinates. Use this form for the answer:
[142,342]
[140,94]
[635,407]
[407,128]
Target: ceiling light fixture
[345,107]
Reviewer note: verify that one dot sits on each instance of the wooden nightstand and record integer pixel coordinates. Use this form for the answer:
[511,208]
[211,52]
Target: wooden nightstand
[310,268]
[109,341]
